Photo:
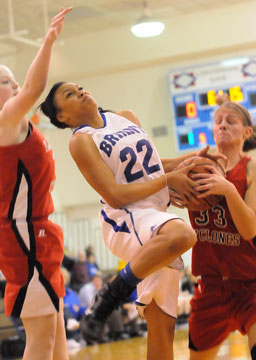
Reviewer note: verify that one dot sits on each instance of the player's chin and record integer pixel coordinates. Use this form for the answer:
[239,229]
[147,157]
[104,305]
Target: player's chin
[222,140]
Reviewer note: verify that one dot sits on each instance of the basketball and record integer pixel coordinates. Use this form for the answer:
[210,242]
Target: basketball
[200,163]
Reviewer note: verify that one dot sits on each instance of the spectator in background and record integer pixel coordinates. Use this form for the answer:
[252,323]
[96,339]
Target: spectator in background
[68,260]
[91,265]
[131,319]
[87,295]
[187,281]
[73,311]
[79,272]
[89,251]
[185,295]
[88,291]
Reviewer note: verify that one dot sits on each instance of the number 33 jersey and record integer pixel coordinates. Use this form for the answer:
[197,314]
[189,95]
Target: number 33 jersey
[220,249]
[129,152]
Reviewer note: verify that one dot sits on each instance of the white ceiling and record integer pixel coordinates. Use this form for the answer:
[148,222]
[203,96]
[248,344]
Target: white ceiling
[89,15]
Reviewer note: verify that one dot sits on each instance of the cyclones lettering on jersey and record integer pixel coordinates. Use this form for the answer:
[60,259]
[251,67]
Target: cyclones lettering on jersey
[110,140]
[218,237]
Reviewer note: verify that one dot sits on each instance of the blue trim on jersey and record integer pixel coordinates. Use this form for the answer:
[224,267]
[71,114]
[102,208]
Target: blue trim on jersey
[117,228]
[83,126]
[133,295]
[139,303]
[137,235]
[80,127]
[104,119]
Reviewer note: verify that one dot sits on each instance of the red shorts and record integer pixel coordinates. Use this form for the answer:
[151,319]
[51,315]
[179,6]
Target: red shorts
[30,259]
[220,306]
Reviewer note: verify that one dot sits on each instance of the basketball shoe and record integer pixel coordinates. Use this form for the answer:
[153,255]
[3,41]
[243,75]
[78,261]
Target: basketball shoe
[110,297]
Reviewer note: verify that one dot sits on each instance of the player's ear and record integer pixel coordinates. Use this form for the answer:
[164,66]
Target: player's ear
[248,132]
[61,117]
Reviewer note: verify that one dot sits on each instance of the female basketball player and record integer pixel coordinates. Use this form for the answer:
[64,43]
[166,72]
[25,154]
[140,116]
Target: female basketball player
[31,249]
[118,159]
[225,253]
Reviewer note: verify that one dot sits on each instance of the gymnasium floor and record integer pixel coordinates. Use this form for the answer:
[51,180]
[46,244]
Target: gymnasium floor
[235,348]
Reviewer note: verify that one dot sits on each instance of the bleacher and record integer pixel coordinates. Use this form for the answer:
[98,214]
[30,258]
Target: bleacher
[7,328]
[11,345]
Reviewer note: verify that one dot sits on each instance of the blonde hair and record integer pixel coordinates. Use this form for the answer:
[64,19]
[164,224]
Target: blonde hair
[4,67]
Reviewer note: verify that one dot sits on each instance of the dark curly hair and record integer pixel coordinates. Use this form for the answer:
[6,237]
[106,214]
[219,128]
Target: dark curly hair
[49,108]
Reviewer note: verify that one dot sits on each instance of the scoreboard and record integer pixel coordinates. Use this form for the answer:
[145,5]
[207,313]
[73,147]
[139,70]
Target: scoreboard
[193,93]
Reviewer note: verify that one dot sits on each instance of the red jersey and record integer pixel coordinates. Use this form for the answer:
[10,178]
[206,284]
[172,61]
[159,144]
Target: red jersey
[220,249]
[31,246]
[27,175]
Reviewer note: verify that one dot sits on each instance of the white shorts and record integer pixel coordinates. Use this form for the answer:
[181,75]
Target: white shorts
[124,232]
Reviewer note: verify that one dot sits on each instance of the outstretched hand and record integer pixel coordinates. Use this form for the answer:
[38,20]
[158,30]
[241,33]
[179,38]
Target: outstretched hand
[56,24]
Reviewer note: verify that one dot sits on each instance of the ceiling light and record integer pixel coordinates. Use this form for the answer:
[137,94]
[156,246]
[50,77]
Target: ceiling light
[146,25]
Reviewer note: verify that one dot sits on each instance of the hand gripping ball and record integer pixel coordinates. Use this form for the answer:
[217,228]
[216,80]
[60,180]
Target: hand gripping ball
[200,167]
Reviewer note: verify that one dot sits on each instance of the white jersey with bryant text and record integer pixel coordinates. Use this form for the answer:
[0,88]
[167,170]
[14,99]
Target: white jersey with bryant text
[129,152]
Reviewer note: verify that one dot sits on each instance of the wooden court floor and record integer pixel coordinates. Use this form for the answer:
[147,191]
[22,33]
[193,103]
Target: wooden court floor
[234,348]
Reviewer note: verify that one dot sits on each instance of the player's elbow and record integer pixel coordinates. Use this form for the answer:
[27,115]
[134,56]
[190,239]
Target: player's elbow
[115,204]
[248,231]
[249,234]
[34,90]
[117,200]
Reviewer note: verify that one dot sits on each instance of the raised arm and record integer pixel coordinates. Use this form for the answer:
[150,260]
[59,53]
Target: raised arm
[17,107]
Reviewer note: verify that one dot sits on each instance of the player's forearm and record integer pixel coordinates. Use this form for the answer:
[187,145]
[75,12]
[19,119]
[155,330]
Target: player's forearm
[170,164]
[124,194]
[243,216]
[37,75]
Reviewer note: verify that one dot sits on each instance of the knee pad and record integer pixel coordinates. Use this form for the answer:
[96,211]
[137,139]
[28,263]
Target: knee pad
[253,352]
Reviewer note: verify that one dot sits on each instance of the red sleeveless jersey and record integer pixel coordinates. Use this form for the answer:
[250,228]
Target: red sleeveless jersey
[220,249]
[31,246]
[27,175]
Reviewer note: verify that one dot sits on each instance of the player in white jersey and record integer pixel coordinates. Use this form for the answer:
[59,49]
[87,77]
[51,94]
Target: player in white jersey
[118,159]
[119,138]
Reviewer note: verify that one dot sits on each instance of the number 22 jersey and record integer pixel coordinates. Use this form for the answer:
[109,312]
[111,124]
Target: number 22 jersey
[129,152]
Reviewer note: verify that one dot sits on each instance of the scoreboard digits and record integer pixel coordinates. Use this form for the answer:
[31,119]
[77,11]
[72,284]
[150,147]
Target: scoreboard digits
[193,98]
